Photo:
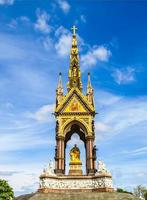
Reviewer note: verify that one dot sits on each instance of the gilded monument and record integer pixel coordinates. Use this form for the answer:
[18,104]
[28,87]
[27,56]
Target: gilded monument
[75,113]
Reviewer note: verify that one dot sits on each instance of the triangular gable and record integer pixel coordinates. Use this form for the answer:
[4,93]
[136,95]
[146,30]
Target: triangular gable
[75,101]
[74,105]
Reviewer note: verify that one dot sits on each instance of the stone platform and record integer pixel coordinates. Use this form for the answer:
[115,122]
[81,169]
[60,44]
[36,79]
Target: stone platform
[66,183]
[79,196]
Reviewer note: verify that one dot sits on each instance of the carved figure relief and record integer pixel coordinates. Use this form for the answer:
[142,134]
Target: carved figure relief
[74,106]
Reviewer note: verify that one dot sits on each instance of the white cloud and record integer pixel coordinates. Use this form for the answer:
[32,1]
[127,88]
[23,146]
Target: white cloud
[28,173]
[124,76]
[7,173]
[99,126]
[61,31]
[24,19]
[42,22]
[48,43]
[29,181]
[83,18]
[128,174]
[22,140]
[119,115]
[13,24]
[105,98]
[64,5]
[99,53]
[138,151]
[7,2]
[43,114]
[64,44]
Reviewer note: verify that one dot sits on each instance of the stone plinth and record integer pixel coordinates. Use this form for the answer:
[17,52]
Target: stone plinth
[75,168]
[62,184]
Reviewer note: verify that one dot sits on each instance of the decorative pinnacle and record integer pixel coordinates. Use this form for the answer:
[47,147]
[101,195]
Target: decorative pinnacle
[60,80]
[74,28]
[89,82]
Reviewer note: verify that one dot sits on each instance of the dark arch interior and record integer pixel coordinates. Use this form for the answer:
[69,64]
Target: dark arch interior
[75,128]
[78,128]
[75,139]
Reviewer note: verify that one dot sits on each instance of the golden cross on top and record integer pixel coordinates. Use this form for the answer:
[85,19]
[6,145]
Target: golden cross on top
[74,28]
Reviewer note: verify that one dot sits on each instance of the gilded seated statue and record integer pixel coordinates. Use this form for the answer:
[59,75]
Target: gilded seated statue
[75,154]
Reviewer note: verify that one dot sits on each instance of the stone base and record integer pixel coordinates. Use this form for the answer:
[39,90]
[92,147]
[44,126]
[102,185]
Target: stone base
[79,196]
[55,184]
[46,190]
[75,169]
[75,172]
[59,171]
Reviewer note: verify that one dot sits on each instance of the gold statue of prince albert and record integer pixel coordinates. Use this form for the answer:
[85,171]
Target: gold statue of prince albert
[75,154]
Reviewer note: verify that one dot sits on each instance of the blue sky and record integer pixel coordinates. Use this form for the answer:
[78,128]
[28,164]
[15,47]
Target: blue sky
[35,40]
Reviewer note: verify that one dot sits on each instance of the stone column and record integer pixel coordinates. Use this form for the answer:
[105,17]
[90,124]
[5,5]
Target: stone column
[59,157]
[56,158]
[63,155]
[94,158]
[89,155]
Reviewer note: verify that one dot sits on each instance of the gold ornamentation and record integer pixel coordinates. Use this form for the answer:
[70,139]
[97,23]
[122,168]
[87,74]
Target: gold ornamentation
[86,120]
[74,74]
[75,154]
[74,107]
[64,120]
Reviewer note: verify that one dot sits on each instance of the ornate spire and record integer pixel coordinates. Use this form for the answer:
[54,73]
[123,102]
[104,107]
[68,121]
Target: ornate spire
[74,74]
[89,90]
[59,91]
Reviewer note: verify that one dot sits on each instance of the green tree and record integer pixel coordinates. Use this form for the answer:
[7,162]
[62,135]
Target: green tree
[120,190]
[123,191]
[6,192]
[145,195]
[140,192]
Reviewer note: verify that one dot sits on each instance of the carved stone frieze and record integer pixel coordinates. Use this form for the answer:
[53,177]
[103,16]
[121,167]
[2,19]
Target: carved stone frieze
[76,183]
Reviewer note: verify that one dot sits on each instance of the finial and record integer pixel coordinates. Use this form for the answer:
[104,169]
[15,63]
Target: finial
[74,28]
[60,80]
[89,82]
[89,86]
[59,93]
[89,90]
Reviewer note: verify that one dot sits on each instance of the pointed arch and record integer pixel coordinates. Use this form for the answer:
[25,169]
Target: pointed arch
[75,126]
